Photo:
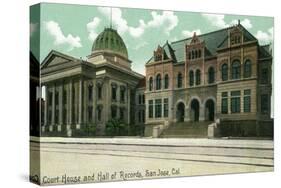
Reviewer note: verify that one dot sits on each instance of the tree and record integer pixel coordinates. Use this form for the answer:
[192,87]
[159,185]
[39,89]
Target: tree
[116,127]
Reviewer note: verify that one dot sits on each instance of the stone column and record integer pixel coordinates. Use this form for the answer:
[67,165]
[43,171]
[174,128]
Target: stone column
[53,108]
[43,129]
[85,102]
[228,103]
[80,104]
[46,107]
[94,102]
[60,107]
[106,97]
[186,114]
[129,104]
[69,104]
[201,113]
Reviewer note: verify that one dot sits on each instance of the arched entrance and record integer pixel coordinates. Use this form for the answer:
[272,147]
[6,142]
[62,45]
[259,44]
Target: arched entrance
[210,110]
[195,107]
[180,112]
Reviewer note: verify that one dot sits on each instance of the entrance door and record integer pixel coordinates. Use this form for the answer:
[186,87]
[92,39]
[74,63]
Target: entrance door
[210,110]
[195,110]
[180,112]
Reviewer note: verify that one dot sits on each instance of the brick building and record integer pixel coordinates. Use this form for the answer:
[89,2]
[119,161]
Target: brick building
[223,75]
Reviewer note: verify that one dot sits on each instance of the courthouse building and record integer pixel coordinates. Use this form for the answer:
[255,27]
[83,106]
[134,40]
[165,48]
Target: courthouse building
[223,75]
[89,92]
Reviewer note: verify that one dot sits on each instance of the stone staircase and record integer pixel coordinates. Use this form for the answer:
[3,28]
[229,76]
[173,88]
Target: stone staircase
[187,130]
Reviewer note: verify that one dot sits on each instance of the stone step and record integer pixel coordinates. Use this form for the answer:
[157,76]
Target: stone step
[187,130]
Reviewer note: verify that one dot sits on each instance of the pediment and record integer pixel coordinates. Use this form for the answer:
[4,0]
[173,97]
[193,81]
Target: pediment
[55,58]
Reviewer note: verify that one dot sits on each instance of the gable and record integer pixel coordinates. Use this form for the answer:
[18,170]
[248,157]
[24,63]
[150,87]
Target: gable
[55,58]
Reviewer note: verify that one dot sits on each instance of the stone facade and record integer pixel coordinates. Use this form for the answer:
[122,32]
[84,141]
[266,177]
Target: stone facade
[224,75]
[83,93]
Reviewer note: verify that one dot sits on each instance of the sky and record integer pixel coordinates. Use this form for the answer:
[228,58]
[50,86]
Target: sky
[72,29]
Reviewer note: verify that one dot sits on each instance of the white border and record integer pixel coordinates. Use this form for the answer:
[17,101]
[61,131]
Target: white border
[14,90]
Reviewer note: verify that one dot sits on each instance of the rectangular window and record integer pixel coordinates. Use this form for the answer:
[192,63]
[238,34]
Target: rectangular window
[113,93]
[99,92]
[158,108]
[90,92]
[64,97]
[122,95]
[50,98]
[64,116]
[150,108]
[264,76]
[121,113]
[140,99]
[139,115]
[264,103]
[166,107]
[56,116]
[90,113]
[99,114]
[50,115]
[235,102]
[57,98]
[113,112]
[224,103]
[247,100]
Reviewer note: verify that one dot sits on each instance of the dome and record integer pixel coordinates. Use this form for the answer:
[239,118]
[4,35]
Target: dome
[110,40]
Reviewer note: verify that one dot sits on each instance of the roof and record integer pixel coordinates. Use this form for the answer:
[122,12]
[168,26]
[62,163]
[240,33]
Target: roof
[110,40]
[265,51]
[142,83]
[213,41]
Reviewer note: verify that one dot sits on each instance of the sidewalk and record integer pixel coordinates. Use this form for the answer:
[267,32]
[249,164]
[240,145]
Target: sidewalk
[220,143]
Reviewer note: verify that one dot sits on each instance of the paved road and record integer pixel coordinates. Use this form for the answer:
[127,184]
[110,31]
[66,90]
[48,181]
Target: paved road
[97,160]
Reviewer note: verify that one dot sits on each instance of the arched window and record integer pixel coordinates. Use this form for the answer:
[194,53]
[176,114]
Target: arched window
[192,54]
[211,75]
[166,81]
[199,53]
[197,77]
[158,82]
[99,109]
[196,54]
[235,69]
[90,92]
[150,83]
[99,91]
[191,78]
[224,72]
[247,69]
[179,79]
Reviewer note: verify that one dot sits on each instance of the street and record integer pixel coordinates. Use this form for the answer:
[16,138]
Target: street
[73,160]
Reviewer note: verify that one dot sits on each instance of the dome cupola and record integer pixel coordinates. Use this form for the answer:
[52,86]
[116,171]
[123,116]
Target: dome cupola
[109,40]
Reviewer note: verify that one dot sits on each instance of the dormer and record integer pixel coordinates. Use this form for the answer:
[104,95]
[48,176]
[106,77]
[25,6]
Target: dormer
[195,49]
[159,54]
[236,35]
[195,39]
